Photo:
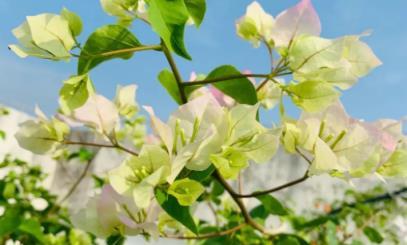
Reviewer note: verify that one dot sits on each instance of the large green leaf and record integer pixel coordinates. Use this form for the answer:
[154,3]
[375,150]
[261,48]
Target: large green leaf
[196,9]
[169,82]
[240,89]
[32,227]
[178,212]
[330,234]
[289,239]
[201,176]
[10,221]
[373,235]
[106,39]
[168,19]
[269,205]
[115,240]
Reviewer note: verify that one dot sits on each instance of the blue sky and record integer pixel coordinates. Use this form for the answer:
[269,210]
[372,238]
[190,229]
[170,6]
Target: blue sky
[26,82]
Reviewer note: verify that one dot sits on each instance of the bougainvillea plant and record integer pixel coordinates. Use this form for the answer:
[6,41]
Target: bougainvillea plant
[197,155]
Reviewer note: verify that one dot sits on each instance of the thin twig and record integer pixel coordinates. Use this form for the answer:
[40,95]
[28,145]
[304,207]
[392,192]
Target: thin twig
[278,188]
[208,235]
[270,51]
[78,181]
[221,79]
[383,197]
[213,210]
[303,156]
[276,72]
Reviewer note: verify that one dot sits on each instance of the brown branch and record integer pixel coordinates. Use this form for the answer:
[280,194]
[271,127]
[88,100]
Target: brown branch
[278,188]
[117,146]
[258,193]
[175,71]
[208,235]
[248,219]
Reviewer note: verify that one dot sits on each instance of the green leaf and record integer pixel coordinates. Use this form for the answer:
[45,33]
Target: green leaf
[10,221]
[313,223]
[75,22]
[4,111]
[196,9]
[32,227]
[288,239]
[240,89]
[201,176]
[115,240]
[83,154]
[169,82]
[75,92]
[168,19]
[330,234]
[2,135]
[312,96]
[106,39]
[178,212]
[9,190]
[269,205]
[373,235]
[98,182]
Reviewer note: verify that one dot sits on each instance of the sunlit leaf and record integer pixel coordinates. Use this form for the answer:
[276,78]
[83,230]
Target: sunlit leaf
[196,9]
[240,89]
[178,212]
[168,19]
[102,44]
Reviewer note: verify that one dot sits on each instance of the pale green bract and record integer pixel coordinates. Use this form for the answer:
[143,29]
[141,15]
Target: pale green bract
[75,92]
[201,132]
[339,62]
[41,136]
[343,146]
[186,191]
[110,213]
[246,140]
[125,100]
[125,10]
[192,133]
[312,96]
[75,22]
[47,36]
[138,175]
[255,25]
